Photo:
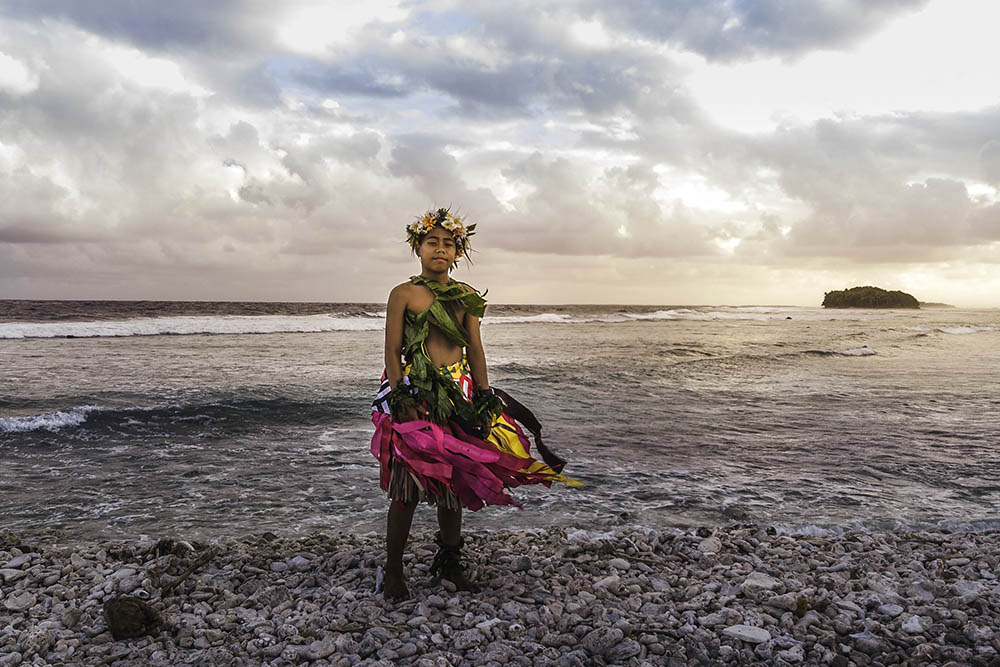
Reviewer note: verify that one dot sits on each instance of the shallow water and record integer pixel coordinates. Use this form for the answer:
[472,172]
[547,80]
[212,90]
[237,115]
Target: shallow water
[672,416]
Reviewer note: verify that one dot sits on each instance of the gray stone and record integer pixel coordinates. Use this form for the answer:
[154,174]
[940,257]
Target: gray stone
[10,575]
[920,589]
[300,564]
[619,563]
[913,625]
[811,617]
[467,639]
[758,581]
[601,640]
[785,601]
[890,610]
[710,545]
[747,633]
[795,654]
[71,617]
[521,564]
[978,634]
[39,641]
[967,591]
[611,582]
[17,561]
[323,648]
[622,651]
[866,642]
[849,606]
[724,616]
[20,601]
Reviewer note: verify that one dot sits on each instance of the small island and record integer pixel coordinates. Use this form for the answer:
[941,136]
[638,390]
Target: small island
[869,297]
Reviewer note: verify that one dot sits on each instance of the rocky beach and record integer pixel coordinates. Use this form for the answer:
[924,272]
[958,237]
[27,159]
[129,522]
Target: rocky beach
[559,596]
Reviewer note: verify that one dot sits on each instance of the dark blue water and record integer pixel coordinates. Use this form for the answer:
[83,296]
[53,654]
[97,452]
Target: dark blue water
[671,416]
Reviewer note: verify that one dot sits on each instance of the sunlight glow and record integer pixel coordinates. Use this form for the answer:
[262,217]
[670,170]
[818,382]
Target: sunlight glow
[151,72]
[590,34]
[321,26]
[15,77]
[905,66]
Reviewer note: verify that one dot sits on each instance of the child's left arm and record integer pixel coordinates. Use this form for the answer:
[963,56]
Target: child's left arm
[475,353]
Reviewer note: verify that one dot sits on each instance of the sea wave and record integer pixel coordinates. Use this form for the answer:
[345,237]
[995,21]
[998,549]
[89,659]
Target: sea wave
[543,318]
[863,351]
[755,313]
[371,320]
[51,421]
[355,321]
[229,413]
[219,324]
[699,315]
[955,331]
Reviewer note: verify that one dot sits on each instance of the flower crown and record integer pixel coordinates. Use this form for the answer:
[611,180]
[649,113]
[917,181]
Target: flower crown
[416,230]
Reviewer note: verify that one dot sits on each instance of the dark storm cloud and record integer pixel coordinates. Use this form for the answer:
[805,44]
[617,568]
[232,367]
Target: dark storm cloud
[742,29]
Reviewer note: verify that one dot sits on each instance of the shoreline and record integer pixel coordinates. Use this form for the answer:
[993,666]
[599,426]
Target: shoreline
[555,596]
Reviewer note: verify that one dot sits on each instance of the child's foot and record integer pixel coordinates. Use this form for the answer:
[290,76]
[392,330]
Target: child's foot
[462,582]
[394,586]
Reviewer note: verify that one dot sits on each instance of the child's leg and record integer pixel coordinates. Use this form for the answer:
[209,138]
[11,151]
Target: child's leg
[450,544]
[450,523]
[397,530]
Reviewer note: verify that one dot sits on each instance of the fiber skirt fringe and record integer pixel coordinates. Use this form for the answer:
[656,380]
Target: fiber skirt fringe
[444,465]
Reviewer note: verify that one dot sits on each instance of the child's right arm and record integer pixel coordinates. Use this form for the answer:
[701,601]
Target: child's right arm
[394,312]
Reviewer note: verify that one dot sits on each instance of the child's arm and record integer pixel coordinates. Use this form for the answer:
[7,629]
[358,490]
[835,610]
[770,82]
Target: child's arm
[475,353]
[394,312]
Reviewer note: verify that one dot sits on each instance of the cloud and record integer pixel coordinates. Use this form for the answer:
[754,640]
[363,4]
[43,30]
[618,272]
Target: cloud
[890,188]
[218,26]
[170,141]
[744,30]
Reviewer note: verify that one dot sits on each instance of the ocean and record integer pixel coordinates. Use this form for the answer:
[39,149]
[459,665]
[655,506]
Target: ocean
[119,419]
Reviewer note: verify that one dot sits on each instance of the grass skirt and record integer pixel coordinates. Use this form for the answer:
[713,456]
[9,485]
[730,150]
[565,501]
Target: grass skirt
[444,465]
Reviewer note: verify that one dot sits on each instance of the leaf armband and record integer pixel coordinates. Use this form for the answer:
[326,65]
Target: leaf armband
[402,399]
[488,406]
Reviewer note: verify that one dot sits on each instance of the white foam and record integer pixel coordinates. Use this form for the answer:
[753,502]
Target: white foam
[766,309]
[962,331]
[51,421]
[217,324]
[864,351]
[955,331]
[698,315]
[545,318]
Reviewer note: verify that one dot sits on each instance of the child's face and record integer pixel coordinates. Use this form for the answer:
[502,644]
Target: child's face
[437,250]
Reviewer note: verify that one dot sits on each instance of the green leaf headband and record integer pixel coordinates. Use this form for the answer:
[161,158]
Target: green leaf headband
[416,230]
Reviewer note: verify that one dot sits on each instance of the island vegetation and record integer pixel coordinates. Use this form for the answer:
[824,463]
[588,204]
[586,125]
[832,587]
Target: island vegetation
[869,297]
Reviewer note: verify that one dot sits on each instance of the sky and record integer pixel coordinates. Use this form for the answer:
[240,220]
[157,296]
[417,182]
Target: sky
[712,152]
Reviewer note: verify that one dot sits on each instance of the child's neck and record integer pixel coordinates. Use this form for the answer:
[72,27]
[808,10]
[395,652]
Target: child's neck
[437,276]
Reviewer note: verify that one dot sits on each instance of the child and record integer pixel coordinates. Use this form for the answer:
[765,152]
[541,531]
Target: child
[441,432]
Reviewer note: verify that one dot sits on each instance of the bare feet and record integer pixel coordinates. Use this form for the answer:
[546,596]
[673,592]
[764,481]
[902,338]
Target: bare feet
[394,586]
[462,582]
